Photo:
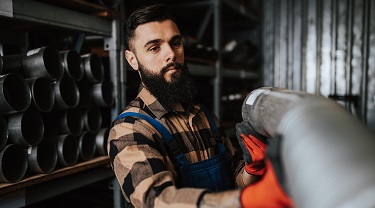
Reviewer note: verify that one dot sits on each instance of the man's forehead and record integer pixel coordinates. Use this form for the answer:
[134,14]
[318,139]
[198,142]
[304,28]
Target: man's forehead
[156,30]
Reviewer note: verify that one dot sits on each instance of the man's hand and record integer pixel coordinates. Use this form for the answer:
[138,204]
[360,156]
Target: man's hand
[252,147]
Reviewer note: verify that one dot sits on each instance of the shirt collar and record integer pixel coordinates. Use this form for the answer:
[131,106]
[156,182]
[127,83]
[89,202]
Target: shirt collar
[158,108]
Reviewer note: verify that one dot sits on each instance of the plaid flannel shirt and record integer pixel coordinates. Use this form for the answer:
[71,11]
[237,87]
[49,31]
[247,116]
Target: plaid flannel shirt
[140,159]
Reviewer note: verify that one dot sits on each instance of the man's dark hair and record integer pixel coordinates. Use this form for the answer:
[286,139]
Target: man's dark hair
[144,14]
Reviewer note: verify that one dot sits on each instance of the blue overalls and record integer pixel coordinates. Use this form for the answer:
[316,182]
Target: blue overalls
[211,173]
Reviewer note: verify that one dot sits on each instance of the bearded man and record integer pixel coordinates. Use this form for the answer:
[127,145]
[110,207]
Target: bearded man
[166,150]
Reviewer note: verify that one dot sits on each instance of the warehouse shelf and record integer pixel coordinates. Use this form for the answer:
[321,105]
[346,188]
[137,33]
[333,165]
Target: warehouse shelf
[19,17]
[43,186]
[37,12]
[210,71]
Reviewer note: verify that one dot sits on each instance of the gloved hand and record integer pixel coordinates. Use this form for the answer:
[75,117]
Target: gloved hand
[252,147]
[266,192]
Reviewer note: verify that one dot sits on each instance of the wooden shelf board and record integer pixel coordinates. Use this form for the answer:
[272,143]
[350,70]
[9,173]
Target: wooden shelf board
[38,178]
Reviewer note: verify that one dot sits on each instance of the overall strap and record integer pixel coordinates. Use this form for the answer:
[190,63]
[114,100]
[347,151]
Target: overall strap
[215,130]
[170,141]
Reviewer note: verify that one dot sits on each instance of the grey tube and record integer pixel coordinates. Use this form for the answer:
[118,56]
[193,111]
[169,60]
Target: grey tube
[93,67]
[42,157]
[43,98]
[102,93]
[67,149]
[72,63]
[66,94]
[43,62]
[101,141]
[92,119]
[26,128]
[87,146]
[13,163]
[15,95]
[326,153]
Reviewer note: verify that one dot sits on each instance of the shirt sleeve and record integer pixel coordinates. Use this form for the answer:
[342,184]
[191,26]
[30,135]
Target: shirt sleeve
[142,171]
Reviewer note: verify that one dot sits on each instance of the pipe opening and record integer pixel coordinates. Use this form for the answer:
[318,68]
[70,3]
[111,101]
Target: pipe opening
[46,156]
[16,94]
[87,146]
[42,93]
[13,163]
[53,63]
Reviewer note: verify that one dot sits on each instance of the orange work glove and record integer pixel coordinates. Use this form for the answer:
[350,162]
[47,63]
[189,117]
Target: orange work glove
[265,193]
[252,147]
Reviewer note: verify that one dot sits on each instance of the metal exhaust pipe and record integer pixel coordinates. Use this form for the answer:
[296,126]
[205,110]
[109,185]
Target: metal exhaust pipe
[15,95]
[67,149]
[101,141]
[102,93]
[326,154]
[43,62]
[93,67]
[43,157]
[72,63]
[63,122]
[4,132]
[92,119]
[26,128]
[43,98]
[12,64]
[85,97]
[66,94]
[70,121]
[13,163]
[87,146]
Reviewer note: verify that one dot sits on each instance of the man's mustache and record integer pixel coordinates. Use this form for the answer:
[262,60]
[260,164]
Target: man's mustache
[176,65]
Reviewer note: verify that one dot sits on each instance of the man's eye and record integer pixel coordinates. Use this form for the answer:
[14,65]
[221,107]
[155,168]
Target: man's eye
[154,49]
[177,44]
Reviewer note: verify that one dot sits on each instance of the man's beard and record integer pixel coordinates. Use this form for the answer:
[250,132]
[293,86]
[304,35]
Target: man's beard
[181,89]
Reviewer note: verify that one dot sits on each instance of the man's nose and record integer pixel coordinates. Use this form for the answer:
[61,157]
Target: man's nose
[170,54]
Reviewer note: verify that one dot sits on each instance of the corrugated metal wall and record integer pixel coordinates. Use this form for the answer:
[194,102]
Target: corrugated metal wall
[324,47]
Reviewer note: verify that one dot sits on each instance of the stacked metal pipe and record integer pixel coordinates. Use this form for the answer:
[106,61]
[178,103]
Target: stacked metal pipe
[50,111]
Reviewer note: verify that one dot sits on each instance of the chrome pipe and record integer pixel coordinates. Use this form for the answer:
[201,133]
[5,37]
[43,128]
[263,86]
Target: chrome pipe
[327,155]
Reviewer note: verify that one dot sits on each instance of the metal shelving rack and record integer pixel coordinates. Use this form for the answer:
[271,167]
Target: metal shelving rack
[32,190]
[217,71]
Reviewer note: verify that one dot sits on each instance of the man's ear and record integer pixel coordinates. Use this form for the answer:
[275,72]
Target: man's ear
[132,60]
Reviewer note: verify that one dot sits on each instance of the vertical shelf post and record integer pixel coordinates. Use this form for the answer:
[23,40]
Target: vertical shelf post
[218,65]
